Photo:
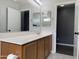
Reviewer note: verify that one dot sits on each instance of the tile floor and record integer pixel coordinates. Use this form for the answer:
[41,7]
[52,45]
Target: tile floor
[60,56]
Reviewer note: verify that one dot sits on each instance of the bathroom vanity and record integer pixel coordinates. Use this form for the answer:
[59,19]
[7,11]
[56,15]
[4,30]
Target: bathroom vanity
[27,46]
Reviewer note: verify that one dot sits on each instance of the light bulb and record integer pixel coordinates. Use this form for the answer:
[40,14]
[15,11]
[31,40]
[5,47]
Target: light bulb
[62,5]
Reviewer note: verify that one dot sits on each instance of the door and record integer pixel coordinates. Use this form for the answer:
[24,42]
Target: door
[65,24]
[25,21]
[65,29]
[30,51]
[14,21]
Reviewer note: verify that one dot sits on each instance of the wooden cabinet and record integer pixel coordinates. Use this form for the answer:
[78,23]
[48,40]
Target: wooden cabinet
[44,47]
[0,50]
[48,45]
[40,46]
[8,48]
[39,49]
[30,51]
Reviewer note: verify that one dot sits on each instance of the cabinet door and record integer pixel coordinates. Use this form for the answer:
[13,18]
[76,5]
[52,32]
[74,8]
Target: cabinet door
[9,48]
[48,45]
[30,51]
[41,49]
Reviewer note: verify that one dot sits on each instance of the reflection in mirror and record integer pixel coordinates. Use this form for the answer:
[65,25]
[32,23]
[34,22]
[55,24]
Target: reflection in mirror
[46,19]
[25,23]
[13,20]
[16,16]
[36,22]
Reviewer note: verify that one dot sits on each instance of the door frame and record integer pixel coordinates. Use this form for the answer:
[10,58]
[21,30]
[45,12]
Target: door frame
[66,3]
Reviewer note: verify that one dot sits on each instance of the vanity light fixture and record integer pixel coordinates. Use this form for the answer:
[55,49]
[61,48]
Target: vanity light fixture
[38,2]
[47,20]
[62,5]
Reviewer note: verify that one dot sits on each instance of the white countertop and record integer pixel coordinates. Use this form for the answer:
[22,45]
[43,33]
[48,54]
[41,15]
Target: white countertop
[21,38]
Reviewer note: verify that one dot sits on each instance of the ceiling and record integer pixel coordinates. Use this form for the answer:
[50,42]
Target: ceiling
[46,4]
[61,1]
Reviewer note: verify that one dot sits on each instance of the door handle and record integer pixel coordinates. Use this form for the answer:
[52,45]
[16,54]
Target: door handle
[77,33]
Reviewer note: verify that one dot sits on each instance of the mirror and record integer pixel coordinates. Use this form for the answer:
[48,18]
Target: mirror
[36,22]
[46,19]
[19,15]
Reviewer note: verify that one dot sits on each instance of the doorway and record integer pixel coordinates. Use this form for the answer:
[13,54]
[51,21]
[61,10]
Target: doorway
[25,20]
[65,29]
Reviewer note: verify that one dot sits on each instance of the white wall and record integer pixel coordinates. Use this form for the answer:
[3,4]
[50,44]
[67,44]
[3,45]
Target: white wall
[2,19]
[3,5]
